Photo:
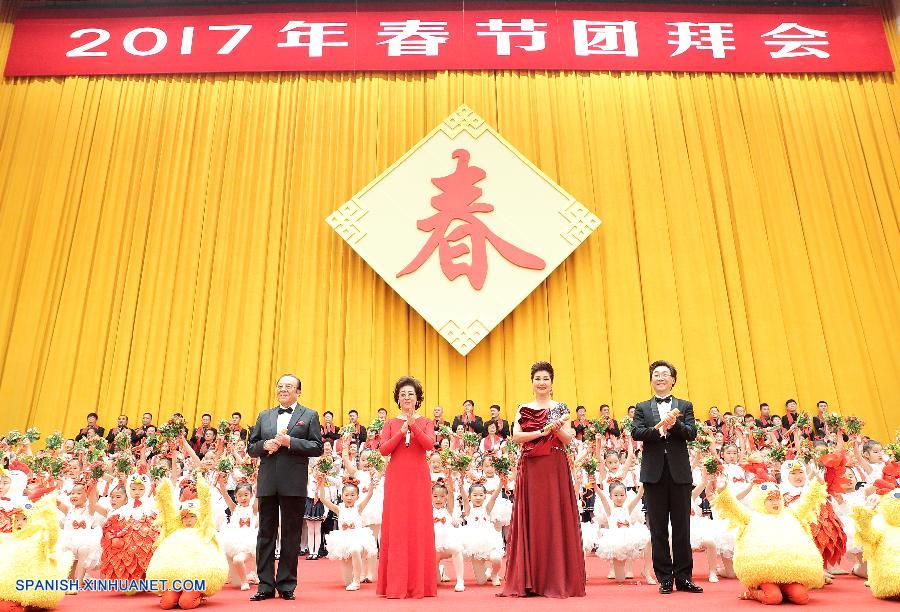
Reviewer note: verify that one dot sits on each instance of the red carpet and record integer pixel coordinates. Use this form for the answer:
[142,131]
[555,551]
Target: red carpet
[320,587]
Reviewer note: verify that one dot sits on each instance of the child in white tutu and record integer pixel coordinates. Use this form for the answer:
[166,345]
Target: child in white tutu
[352,541]
[704,532]
[448,542]
[502,512]
[481,540]
[625,536]
[371,515]
[239,535]
[82,530]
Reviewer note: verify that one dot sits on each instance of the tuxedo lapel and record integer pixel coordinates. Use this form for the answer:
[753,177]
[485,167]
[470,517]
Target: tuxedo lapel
[654,412]
[272,423]
[295,416]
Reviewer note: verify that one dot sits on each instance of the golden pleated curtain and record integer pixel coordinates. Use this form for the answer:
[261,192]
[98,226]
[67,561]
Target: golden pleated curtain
[164,245]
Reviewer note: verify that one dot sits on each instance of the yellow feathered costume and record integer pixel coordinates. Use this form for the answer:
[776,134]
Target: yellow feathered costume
[31,553]
[187,553]
[774,548]
[879,532]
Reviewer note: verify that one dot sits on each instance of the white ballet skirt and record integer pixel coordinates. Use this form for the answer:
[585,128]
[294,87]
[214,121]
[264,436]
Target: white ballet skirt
[447,535]
[844,510]
[371,514]
[481,540]
[239,535]
[703,530]
[81,533]
[351,536]
[625,537]
[590,536]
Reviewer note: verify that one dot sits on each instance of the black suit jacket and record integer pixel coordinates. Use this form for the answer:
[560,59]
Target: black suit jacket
[674,444]
[284,472]
[476,426]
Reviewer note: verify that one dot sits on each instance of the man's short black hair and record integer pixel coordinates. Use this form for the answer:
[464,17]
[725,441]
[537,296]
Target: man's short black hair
[663,363]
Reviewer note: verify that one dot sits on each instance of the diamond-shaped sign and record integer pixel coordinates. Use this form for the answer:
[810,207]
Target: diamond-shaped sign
[463,227]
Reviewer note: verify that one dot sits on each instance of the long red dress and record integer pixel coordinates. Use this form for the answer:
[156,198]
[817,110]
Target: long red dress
[544,555]
[407,564]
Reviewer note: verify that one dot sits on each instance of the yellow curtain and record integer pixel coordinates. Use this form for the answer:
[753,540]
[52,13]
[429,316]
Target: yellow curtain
[164,245]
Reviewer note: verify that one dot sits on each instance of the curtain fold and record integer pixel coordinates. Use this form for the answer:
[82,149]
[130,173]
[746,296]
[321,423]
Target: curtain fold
[165,248]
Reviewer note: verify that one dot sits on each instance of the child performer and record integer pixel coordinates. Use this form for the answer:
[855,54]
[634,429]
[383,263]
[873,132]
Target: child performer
[314,515]
[30,551]
[371,514]
[879,531]
[82,529]
[447,540]
[129,533]
[775,557]
[482,541]
[626,537]
[12,496]
[352,541]
[188,550]
[239,536]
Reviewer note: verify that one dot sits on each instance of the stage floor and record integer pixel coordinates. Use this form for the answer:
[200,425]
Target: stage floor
[320,587]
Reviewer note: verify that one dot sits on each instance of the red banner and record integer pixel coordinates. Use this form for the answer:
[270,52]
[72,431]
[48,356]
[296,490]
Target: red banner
[447,36]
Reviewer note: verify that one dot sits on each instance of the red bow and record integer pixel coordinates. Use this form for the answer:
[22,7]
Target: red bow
[441,520]
[79,524]
[244,522]
[350,480]
[5,499]
[623,524]
[137,503]
[347,526]
[480,481]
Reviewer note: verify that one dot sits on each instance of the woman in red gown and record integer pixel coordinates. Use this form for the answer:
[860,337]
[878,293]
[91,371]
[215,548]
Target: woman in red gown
[544,554]
[407,565]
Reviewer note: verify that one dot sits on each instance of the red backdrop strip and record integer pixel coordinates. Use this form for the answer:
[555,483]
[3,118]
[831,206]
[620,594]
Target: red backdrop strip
[447,36]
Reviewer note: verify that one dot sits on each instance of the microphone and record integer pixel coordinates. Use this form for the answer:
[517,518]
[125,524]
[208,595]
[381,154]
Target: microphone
[407,437]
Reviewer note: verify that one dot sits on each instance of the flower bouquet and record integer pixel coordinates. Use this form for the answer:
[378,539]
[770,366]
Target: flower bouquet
[54,441]
[854,425]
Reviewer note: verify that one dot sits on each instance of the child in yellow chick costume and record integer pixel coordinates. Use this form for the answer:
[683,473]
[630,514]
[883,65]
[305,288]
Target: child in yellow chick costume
[879,531]
[30,552]
[775,556]
[187,548]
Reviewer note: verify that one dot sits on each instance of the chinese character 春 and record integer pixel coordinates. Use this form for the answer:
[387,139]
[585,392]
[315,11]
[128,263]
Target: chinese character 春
[413,37]
[705,36]
[457,202]
[604,38]
[505,30]
[797,41]
[314,33]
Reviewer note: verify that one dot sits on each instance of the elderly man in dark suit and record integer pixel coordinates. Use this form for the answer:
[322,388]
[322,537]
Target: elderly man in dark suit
[665,424]
[284,438]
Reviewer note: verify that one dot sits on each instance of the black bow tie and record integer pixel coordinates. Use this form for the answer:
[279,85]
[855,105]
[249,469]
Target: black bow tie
[288,410]
[664,400]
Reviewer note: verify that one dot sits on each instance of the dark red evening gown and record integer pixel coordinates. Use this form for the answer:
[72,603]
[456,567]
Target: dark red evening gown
[407,565]
[544,555]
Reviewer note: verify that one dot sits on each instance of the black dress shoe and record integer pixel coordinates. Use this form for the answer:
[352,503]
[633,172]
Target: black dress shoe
[262,595]
[289,595]
[688,586]
[665,587]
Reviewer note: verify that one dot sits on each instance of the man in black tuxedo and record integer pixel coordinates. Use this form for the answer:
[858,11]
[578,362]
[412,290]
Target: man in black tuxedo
[666,474]
[284,438]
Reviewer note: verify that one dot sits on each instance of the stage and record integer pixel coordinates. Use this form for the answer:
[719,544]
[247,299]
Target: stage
[320,589]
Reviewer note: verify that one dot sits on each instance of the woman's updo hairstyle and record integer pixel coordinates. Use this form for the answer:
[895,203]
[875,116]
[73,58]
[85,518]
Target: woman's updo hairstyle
[409,381]
[542,366]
